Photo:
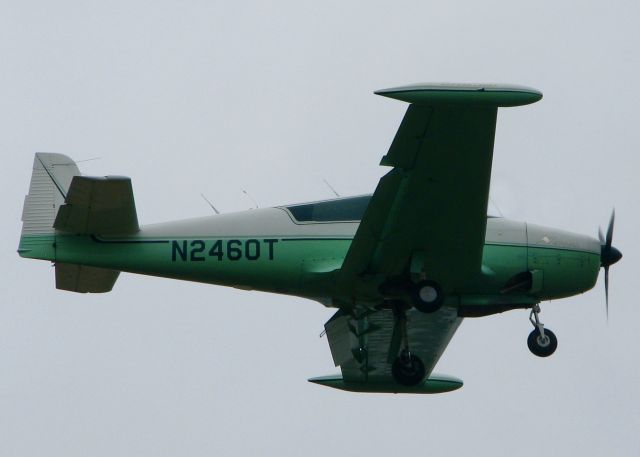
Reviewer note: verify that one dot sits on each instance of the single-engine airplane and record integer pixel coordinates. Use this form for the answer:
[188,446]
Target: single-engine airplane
[403,266]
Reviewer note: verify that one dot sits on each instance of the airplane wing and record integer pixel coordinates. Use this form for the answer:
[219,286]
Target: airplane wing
[365,347]
[426,220]
[428,215]
[98,205]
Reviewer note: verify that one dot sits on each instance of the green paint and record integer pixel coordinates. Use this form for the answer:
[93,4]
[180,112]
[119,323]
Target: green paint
[425,221]
[434,384]
[306,267]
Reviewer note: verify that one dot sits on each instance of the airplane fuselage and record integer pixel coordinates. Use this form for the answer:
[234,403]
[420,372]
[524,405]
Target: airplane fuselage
[269,250]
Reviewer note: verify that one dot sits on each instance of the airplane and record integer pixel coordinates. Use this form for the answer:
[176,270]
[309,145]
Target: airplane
[402,266]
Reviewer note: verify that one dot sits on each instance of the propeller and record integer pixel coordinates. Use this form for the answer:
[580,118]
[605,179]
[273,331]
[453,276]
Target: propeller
[608,255]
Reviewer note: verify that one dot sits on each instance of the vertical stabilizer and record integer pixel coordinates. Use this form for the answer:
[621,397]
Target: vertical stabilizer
[50,180]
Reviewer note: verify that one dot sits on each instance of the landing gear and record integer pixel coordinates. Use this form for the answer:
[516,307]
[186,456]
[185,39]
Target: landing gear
[542,342]
[542,346]
[407,369]
[427,296]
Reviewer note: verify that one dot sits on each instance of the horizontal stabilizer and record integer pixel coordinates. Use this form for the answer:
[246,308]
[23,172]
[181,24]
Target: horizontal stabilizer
[83,279]
[434,384]
[98,205]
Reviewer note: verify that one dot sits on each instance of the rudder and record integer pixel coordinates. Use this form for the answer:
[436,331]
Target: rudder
[50,181]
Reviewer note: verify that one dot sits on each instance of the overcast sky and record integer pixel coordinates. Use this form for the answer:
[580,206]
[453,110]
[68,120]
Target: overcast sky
[274,97]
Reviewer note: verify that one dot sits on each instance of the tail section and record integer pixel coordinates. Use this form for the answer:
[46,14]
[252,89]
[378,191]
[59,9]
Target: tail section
[50,181]
[49,192]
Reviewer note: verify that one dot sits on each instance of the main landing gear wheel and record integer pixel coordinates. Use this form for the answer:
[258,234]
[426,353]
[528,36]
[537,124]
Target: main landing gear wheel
[408,369]
[542,346]
[427,296]
[541,341]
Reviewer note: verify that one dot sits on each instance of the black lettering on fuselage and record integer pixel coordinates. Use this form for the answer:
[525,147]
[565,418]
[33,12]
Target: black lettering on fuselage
[197,247]
[234,250]
[271,242]
[175,248]
[252,249]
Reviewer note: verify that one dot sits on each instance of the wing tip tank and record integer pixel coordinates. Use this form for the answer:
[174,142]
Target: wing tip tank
[434,384]
[502,95]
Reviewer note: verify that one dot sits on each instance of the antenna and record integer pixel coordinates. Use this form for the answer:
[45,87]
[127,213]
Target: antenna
[88,160]
[74,162]
[250,198]
[210,204]
[495,206]
[331,187]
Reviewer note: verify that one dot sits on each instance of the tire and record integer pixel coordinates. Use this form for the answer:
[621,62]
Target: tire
[542,348]
[408,372]
[427,296]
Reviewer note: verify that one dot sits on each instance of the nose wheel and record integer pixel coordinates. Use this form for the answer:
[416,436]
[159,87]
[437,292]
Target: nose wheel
[541,341]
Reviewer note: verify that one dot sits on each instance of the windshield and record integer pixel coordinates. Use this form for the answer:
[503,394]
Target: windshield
[340,210]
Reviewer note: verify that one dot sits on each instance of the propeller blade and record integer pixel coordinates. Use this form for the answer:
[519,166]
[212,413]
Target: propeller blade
[606,289]
[610,229]
[608,255]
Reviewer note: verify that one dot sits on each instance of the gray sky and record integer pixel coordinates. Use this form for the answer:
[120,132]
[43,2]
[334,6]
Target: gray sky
[272,97]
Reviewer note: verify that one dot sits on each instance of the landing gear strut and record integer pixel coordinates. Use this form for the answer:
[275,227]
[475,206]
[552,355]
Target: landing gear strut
[542,342]
[407,369]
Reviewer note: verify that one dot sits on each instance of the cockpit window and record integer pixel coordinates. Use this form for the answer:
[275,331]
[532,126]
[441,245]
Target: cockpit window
[340,210]
[350,209]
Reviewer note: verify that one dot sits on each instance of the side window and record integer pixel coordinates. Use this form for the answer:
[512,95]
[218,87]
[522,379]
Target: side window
[344,209]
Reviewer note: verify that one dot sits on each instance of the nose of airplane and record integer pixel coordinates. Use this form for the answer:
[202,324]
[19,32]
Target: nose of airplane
[609,255]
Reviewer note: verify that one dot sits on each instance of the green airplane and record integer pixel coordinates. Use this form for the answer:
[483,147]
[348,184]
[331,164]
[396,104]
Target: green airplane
[403,266]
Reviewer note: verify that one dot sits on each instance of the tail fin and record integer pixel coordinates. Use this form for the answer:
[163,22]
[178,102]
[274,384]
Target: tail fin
[50,181]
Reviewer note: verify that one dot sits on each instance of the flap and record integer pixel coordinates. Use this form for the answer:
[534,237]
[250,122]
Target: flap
[365,344]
